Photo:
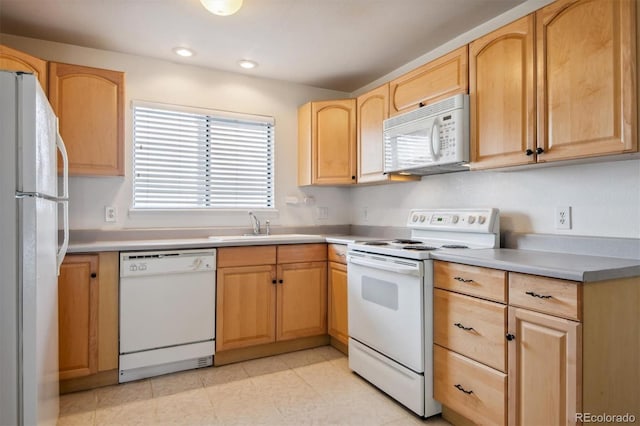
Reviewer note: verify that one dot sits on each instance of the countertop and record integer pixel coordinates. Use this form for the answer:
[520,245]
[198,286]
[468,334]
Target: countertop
[549,264]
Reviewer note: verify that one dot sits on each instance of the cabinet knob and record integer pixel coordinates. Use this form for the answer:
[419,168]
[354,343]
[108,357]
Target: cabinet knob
[353,178]
[93,275]
[539,150]
[273,281]
[529,152]
[280,281]
[510,337]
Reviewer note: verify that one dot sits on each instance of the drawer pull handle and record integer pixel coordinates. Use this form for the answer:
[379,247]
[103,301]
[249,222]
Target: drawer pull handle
[340,254]
[540,296]
[459,387]
[510,337]
[463,327]
[462,280]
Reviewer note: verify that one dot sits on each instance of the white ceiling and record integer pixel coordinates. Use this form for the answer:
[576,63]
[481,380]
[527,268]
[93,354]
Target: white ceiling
[333,44]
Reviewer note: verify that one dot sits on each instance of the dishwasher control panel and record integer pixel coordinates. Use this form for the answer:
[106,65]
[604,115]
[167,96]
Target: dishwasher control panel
[166,262]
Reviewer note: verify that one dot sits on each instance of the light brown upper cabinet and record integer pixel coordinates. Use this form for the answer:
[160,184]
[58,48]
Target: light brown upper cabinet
[14,60]
[373,109]
[436,80]
[90,105]
[502,96]
[586,62]
[327,143]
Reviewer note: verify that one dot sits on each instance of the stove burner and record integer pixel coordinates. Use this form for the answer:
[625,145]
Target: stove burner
[403,241]
[420,248]
[454,246]
[375,243]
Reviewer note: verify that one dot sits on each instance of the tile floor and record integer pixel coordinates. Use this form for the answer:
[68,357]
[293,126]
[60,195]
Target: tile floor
[310,387]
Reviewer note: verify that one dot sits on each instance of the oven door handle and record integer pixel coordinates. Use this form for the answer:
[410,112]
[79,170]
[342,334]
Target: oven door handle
[387,266]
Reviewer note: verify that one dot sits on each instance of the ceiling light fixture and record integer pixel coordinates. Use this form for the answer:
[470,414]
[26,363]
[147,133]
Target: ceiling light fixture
[247,64]
[183,51]
[222,7]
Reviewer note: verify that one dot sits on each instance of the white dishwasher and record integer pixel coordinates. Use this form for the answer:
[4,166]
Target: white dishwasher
[167,312]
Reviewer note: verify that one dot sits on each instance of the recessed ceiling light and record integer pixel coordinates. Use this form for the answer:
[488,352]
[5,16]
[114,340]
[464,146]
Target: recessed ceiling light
[222,7]
[247,64]
[183,51]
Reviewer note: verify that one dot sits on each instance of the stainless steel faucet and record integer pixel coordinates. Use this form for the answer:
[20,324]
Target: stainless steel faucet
[255,222]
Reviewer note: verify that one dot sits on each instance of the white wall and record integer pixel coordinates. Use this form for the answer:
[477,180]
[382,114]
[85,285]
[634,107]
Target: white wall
[604,197]
[161,81]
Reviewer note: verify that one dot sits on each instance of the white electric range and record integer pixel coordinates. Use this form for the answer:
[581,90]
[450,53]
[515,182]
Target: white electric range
[390,298]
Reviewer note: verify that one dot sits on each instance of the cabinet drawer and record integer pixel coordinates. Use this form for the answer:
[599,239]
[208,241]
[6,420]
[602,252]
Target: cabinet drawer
[474,390]
[472,327]
[295,253]
[549,295]
[246,256]
[472,280]
[337,253]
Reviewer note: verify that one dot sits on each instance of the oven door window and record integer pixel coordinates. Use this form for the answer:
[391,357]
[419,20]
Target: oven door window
[383,293]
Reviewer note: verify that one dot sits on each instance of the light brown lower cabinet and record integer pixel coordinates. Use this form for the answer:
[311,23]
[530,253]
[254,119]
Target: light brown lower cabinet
[572,348]
[268,294]
[337,306]
[88,320]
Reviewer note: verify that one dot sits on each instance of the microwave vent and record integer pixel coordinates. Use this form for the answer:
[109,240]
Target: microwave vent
[425,111]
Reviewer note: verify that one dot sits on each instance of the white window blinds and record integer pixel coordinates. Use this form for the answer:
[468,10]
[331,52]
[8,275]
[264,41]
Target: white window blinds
[190,159]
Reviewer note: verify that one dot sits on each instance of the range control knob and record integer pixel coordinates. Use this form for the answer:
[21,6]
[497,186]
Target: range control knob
[422,218]
[481,219]
[414,218]
[455,218]
[471,219]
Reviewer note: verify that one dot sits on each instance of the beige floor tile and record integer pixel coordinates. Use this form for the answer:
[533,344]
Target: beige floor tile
[332,382]
[136,413]
[78,402]
[302,358]
[86,418]
[258,367]
[182,405]
[125,393]
[369,409]
[174,383]
[220,375]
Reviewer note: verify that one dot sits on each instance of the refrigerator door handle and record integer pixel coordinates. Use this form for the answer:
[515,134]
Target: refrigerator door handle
[65,164]
[62,251]
[64,199]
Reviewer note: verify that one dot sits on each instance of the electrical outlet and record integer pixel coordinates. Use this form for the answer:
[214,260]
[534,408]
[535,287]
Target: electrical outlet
[365,214]
[322,212]
[110,214]
[563,217]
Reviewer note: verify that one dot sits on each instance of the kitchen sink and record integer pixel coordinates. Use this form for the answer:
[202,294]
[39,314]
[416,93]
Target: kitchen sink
[263,237]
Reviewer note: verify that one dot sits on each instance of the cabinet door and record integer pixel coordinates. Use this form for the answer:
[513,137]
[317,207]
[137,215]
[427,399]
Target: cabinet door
[586,78]
[333,135]
[90,105]
[302,300]
[78,316]
[502,96]
[544,369]
[337,313]
[373,109]
[434,81]
[245,306]
[14,60]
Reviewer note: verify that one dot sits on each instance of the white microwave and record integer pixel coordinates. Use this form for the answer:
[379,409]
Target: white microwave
[432,139]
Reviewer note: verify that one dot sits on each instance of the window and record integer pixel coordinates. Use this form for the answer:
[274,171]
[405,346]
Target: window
[199,159]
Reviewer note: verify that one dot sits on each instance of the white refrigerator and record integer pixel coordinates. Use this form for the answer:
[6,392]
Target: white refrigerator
[30,257]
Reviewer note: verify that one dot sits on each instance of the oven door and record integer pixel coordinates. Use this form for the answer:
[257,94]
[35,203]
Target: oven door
[386,308]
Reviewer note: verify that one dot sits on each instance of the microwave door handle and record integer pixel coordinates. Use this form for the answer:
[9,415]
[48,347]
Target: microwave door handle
[434,146]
